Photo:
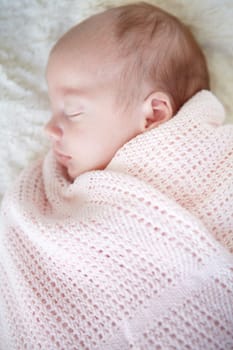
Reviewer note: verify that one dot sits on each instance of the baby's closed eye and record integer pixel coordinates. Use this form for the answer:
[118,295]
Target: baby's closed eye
[73,115]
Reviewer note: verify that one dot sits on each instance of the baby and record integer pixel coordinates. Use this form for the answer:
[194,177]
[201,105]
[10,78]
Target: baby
[139,255]
[116,75]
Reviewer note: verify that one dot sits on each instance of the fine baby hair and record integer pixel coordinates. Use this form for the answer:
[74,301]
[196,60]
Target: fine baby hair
[160,50]
[155,50]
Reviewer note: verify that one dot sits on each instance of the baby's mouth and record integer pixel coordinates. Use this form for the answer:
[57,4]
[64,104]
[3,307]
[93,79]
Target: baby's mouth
[62,158]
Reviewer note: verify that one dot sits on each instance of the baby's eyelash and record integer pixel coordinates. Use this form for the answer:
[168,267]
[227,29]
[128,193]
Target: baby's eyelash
[75,115]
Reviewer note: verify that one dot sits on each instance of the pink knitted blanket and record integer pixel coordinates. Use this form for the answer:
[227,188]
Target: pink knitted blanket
[138,256]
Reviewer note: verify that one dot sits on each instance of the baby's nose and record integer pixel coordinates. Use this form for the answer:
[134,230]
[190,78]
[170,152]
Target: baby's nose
[53,130]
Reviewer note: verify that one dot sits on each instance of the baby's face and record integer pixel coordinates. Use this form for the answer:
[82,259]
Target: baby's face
[86,127]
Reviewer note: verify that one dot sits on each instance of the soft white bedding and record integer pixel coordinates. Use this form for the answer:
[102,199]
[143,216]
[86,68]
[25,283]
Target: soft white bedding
[29,28]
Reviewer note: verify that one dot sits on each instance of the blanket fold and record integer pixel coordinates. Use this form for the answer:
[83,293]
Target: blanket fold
[138,256]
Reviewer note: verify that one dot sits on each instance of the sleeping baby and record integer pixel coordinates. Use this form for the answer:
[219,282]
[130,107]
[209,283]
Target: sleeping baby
[114,76]
[121,237]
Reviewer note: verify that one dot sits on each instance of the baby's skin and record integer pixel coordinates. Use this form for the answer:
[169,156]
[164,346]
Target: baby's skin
[88,125]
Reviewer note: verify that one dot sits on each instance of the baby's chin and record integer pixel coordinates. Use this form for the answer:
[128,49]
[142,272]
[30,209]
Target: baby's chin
[72,174]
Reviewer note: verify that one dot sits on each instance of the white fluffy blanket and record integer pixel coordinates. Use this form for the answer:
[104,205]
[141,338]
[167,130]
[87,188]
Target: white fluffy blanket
[138,256]
[30,28]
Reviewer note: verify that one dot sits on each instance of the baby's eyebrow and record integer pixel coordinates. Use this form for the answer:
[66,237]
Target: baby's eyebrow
[73,97]
[73,91]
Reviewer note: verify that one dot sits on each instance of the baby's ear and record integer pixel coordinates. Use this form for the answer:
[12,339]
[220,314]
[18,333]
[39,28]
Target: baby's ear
[157,109]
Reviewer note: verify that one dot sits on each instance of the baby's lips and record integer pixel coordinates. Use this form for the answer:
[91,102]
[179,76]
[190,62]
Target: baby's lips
[62,158]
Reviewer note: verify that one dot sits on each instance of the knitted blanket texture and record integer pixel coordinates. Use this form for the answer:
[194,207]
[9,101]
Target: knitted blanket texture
[137,256]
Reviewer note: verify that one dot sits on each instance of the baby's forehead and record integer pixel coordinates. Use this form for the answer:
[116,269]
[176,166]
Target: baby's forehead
[96,32]
[89,42]
[85,56]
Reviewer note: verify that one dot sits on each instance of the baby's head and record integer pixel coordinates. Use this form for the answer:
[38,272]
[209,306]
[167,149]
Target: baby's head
[115,75]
